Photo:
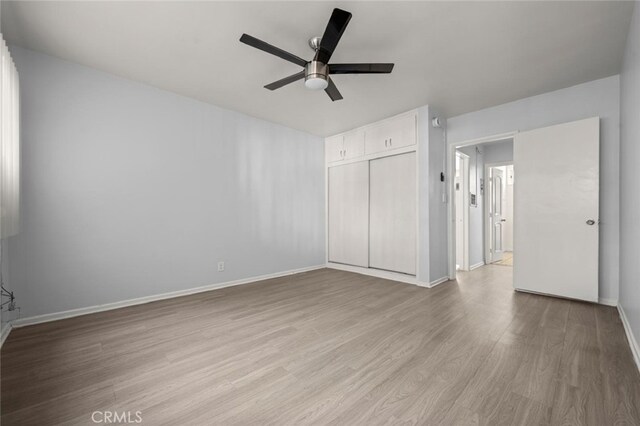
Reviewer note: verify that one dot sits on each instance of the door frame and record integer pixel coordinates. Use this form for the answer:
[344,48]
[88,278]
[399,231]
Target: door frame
[487,219]
[450,178]
[464,158]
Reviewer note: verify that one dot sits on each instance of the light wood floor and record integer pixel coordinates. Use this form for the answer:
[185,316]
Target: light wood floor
[331,347]
[507,259]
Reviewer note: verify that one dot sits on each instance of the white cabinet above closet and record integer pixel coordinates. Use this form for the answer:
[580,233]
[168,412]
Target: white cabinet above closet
[372,140]
[354,144]
[391,134]
[345,146]
[333,148]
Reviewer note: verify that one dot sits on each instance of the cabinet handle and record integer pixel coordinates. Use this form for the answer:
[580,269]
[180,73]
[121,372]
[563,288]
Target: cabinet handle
[390,142]
[386,142]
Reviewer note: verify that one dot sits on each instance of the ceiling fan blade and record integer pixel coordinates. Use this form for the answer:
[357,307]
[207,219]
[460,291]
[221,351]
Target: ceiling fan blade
[336,26]
[333,91]
[360,68]
[266,47]
[278,84]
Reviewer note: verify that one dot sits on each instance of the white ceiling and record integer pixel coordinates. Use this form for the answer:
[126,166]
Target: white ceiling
[455,56]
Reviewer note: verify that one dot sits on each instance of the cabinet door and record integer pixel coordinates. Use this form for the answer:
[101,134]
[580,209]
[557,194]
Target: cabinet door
[402,132]
[354,144]
[376,138]
[392,134]
[349,214]
[392,238]
[334,148]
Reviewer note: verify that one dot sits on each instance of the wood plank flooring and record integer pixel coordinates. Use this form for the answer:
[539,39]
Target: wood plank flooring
[331,347]
[507,259]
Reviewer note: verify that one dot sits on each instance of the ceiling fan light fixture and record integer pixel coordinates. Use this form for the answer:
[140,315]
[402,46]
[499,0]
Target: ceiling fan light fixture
[316,76]
[316,83]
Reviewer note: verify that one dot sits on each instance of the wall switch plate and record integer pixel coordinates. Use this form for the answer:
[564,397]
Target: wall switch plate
[220,266]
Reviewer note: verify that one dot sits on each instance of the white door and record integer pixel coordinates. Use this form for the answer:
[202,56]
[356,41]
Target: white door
[392,236]
[556,210]
[349,214]
[496,214]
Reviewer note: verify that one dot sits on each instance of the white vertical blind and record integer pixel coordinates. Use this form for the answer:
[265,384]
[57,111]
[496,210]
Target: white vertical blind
[9,145]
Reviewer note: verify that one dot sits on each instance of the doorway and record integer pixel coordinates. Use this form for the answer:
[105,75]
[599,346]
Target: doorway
[462,211]
[499,214]
[479,153]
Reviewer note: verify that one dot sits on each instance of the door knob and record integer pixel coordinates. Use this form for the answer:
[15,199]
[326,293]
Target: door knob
[591,222]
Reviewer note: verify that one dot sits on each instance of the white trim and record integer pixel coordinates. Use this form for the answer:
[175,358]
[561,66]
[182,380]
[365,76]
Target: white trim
[485,139]
[5,333]
[379,273]
[608,302]
[141,300]
[633,344]
[476,266]
[438,281]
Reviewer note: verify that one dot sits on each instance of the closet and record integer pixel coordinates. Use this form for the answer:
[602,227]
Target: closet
[372,196]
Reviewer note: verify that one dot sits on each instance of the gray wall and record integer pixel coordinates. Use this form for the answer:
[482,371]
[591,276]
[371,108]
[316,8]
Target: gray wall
[629,184]
[438,252]
[596,98]
[131,191]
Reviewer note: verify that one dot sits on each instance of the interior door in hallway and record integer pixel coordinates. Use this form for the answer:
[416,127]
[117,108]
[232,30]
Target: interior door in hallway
[556,208]
[496,214]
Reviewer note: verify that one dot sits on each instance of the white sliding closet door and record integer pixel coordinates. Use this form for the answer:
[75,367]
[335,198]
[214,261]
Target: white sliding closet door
[349,214]
[392,234]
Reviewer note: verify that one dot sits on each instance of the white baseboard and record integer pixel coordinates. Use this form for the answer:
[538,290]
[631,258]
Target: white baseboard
[608,302]
[141,300]
[635,349]
[476,266]
[438,281]
[379,273]
[6,329]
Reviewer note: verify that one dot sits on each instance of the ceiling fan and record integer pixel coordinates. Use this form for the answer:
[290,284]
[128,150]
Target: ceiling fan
[317,72]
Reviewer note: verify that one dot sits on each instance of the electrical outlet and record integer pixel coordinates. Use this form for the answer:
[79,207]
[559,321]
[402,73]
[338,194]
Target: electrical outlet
[220,266]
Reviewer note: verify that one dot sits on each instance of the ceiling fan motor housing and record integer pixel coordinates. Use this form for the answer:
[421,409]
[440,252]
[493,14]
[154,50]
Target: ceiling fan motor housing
[316,74]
